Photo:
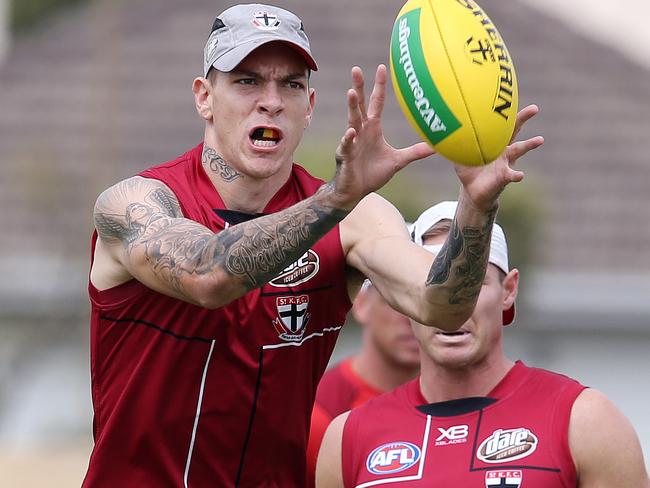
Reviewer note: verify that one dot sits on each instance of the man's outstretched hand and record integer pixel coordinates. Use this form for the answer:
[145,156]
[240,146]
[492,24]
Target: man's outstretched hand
[483,184]
[365,161]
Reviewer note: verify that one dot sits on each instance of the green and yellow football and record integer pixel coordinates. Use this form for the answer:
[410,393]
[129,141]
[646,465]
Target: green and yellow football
[454,79]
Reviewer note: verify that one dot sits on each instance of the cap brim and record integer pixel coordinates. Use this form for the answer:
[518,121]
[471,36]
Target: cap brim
[229,61]
[509,315]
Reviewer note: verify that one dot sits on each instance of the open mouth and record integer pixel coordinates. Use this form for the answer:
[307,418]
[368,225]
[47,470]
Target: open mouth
[265,137]
[453,334]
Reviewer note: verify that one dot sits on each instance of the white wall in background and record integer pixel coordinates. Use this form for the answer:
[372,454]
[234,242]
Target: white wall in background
[622,25]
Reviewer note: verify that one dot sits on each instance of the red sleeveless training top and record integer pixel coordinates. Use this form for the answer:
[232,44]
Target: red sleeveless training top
[515,437]
[185,396]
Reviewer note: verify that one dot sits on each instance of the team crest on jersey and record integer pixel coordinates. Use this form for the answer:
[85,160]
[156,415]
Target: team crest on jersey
[507,445]
[393,458]
[302,270]
[292,317]
[266,20]
[507,478]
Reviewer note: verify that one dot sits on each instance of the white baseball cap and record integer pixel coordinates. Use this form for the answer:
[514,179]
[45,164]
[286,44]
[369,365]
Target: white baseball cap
[239,30]
[498,245]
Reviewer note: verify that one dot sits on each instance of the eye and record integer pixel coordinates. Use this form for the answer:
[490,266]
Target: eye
[245,81]
[296,85]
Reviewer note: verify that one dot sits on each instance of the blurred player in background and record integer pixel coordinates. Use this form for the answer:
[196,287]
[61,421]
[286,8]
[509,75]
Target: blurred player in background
[388,356]
[476,418]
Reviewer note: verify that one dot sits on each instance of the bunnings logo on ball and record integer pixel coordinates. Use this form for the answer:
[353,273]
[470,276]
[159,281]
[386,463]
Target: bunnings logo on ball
[422,98]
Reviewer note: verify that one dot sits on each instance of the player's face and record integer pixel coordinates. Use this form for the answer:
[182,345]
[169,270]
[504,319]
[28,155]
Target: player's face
[389,331]
[260,110]
[479,340]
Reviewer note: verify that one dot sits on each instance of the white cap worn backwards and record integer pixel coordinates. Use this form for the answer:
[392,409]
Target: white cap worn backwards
[446,211]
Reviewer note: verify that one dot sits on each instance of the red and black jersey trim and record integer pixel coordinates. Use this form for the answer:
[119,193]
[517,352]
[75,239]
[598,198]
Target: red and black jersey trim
[157,328]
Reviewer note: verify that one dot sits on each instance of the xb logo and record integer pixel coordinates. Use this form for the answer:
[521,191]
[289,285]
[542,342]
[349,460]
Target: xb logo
[456,434]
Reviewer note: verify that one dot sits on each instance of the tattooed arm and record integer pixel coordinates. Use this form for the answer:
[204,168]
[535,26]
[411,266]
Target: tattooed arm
[144,235]
[440,292]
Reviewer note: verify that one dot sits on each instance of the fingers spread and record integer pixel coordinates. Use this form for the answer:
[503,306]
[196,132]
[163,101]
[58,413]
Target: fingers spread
[347,140]
[417,151]
[518,149]
[524,115]
[358,86]
[378,96]
[355,119]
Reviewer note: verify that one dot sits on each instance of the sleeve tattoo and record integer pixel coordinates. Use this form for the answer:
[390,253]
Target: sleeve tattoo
[462,261]
[176,247]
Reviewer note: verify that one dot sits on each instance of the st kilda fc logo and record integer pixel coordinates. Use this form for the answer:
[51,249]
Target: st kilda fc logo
[292,317]
[505,478]
[266,20]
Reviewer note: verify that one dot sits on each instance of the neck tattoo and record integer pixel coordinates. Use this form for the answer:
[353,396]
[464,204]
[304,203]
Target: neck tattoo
[219,166]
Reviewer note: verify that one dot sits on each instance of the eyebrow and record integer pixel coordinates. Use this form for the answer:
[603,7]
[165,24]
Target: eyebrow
[253,74]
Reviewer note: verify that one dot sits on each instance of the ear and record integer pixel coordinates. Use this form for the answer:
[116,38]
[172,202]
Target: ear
[312,101]
[360,307]
[510,288]
[201,88]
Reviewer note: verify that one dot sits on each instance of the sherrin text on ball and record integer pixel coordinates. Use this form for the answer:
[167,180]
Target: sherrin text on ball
[454,79]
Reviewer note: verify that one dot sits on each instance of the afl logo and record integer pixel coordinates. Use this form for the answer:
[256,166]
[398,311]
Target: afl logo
[393,458]
[302,270]
[507,445]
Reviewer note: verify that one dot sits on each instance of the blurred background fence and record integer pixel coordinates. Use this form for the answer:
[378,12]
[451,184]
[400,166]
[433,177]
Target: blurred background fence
[93,91]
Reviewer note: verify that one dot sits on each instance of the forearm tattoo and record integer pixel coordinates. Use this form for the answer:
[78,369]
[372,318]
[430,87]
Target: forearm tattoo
[462,261]
[218,165]
[255,251]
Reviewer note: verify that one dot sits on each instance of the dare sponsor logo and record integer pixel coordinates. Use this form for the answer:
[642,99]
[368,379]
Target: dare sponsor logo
[292,317]
[302,270]
[507,478]
[393,458]
[507,445]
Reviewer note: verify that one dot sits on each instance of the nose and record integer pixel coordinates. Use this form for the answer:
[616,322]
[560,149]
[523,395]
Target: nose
[270,100]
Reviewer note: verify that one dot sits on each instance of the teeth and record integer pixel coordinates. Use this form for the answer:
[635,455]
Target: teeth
[260,143]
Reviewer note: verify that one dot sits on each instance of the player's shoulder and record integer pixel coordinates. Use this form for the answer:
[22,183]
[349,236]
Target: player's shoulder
[184,159]
[334,375]
[396,398]
[130,190]
[335,390]
[552,377]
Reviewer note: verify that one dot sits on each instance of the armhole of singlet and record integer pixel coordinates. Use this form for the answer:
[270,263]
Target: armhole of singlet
[559,426]
[348,451]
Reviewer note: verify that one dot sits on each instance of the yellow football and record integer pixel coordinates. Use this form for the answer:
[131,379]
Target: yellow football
[454,79]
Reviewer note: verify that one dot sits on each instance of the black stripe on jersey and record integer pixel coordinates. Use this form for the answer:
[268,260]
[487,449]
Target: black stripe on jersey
[251,418]
[156,327]
[461,406]
[233,217]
